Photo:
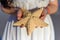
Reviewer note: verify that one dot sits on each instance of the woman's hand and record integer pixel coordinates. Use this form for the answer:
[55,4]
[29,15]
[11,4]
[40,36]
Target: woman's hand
[19,14]
[43,15]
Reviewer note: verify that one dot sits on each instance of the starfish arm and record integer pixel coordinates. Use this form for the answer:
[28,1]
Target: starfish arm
[31,27]
[22,21]
[40,23]
[38,13]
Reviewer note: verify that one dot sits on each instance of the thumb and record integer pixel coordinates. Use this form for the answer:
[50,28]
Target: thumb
[19,14]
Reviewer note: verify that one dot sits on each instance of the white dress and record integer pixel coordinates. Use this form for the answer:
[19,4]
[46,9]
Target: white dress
[17,33]
[30,4]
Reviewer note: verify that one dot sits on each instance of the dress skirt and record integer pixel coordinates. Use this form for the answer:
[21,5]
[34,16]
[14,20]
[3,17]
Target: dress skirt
[17,33]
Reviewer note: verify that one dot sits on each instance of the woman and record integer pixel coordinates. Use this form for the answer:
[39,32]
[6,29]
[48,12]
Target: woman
[18,33]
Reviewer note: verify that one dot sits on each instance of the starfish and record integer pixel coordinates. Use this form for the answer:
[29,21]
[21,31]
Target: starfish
[31,21]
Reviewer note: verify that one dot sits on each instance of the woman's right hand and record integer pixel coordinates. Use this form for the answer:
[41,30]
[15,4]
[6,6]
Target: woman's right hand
[19,14]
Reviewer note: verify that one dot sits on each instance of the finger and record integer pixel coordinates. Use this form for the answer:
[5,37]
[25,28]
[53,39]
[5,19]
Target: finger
[22,26]
[42,18]
[19,14]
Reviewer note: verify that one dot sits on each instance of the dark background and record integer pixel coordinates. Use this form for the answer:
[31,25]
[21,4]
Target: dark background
[55,19]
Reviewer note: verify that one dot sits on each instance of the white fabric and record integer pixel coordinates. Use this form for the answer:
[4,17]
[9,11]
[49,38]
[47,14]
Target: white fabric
[51,0]
[17,33]
[30,4]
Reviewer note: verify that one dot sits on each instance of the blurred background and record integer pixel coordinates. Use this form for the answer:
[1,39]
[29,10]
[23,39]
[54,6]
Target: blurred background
[55,18]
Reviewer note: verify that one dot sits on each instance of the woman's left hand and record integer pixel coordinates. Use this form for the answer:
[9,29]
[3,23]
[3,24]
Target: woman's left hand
[43,15]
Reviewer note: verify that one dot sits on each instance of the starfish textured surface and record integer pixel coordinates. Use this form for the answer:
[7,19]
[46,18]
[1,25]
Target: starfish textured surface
[31,21]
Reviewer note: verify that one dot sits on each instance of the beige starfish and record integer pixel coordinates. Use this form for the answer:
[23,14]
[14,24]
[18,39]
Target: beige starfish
[31,20]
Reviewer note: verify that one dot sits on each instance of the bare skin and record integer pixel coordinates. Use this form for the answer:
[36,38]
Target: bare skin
[53,7]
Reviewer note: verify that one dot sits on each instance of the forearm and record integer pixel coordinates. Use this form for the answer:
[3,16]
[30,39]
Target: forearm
[8,11]
[52,7]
